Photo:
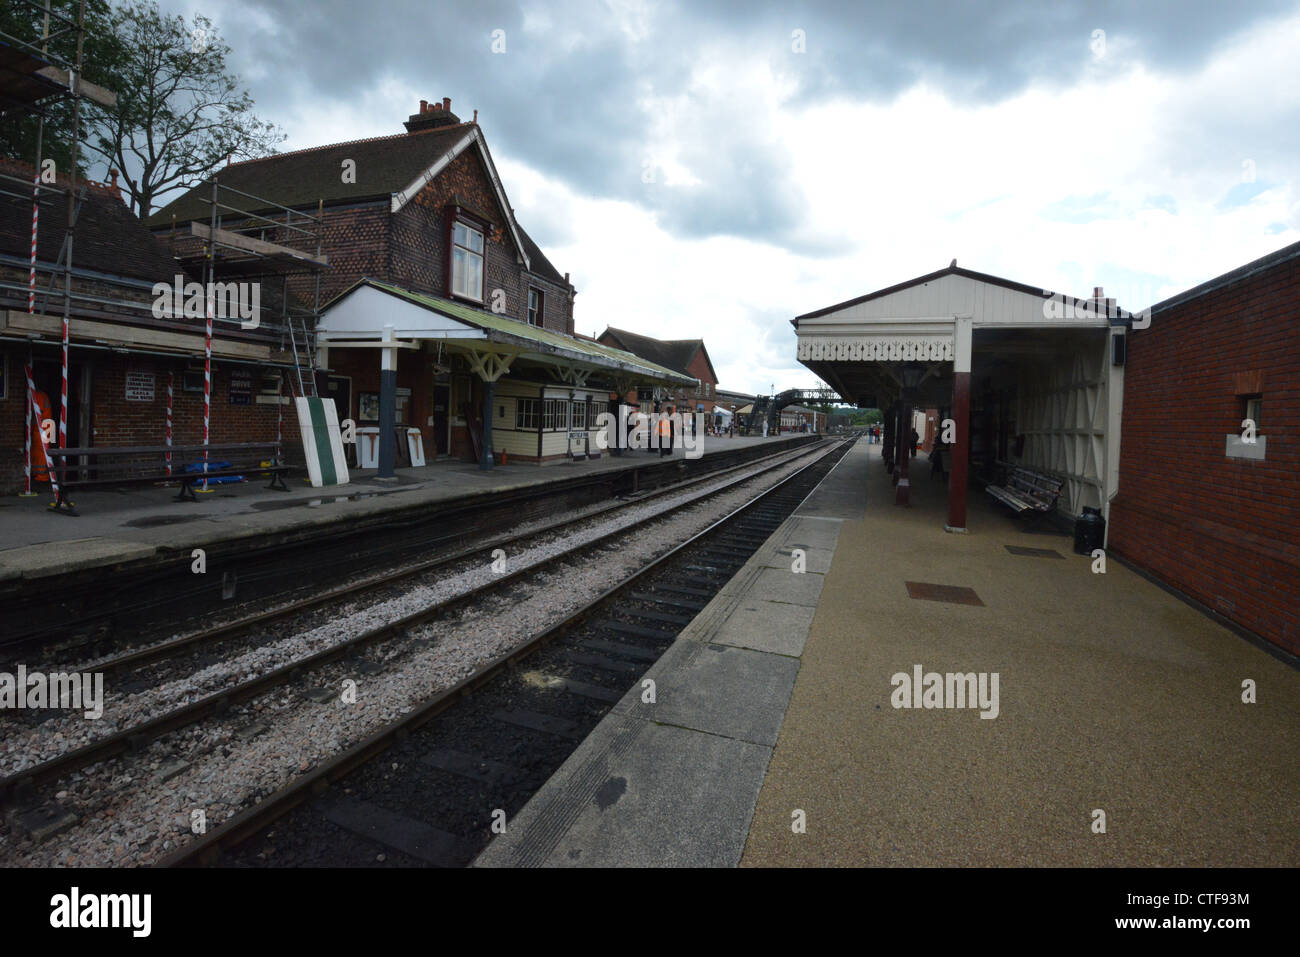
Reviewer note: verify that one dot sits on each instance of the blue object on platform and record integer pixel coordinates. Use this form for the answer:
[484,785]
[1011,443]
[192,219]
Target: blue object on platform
[213,467]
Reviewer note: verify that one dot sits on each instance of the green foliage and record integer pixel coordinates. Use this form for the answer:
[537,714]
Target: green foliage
[860,417]
[102,56]
[180,112]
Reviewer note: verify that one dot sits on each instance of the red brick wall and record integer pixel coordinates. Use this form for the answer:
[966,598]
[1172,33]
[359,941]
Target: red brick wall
[120,423]
[13,409]
[1223,531]
[420,234]
[414,372]
[117,422]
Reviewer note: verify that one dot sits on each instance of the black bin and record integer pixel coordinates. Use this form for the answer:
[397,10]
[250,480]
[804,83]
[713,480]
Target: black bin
[1089,531]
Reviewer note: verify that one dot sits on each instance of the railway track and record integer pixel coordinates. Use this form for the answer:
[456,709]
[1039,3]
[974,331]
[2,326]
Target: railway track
[22,786]
[420,792]
[458,550]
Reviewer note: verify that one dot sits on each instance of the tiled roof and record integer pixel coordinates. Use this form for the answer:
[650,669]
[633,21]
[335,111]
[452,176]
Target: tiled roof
[541,265]
[676,354]
[108,237]
[384,165]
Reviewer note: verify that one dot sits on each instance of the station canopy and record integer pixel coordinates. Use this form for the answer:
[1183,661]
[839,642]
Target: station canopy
[372,314]
[1040,371]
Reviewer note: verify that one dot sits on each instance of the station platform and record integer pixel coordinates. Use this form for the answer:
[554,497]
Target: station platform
[133,523]
[774,739]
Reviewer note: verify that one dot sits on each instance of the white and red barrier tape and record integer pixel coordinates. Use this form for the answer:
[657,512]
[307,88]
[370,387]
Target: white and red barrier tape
[63,409]
[31,398]
[207,388]
[279,419]
[169,423]
[36,215]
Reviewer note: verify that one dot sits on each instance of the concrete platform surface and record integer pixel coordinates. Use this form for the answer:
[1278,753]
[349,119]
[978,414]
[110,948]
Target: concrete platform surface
[1113,697]
[121,525]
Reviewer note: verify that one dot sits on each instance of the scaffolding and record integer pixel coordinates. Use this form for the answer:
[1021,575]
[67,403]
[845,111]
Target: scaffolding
[250,238]
[35,77]
[247,239]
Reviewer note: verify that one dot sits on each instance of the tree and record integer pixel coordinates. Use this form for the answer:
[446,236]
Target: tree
[179,112]
[102,54]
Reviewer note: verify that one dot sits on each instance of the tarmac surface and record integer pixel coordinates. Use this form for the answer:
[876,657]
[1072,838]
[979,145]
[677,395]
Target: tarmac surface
[774,739]
[134,522]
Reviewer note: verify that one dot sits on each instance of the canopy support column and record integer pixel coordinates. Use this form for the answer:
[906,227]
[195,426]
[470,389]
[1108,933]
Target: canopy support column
[903,491]
[957,477]
[489,366]
[387,406]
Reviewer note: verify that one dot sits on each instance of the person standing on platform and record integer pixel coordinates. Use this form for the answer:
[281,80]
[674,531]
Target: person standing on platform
[666,432]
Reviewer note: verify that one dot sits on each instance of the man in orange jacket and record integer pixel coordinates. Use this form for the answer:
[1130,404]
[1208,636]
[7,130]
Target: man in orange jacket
[666,432]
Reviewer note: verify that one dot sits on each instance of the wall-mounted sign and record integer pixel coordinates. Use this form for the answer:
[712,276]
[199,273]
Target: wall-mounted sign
[139,386]
[241,387]
[368,408]
[578,445]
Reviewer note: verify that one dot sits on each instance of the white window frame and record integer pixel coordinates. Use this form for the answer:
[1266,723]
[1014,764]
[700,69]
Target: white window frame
[541,306]
[463,255]
[526,414]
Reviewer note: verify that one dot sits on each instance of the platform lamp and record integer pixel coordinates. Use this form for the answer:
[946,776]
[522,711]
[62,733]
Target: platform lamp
[912,374]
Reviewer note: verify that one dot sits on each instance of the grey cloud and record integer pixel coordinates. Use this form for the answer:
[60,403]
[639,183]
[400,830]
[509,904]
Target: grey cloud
[565,100]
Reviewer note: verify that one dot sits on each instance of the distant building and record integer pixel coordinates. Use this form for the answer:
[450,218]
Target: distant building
[687,356]
[798,418]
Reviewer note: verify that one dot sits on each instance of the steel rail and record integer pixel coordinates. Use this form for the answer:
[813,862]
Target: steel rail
[234,628]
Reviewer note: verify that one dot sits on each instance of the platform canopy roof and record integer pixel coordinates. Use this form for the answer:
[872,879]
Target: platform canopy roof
[857,346]
[371,312]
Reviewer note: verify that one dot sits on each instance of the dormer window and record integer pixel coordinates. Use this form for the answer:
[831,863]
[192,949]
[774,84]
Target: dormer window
[534,306]
[467,261]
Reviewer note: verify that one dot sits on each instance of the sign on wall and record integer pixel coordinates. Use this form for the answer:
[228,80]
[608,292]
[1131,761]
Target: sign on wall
[241,387]
[139,386]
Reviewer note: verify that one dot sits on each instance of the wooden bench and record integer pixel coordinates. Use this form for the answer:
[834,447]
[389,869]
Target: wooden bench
[138,465]
[1027,490]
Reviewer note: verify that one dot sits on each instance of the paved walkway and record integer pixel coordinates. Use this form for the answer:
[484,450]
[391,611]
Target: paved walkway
[1112,695]
[133,522]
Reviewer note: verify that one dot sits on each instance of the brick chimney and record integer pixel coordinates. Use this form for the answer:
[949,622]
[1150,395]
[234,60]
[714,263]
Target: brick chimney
[431,116]
[1103,306]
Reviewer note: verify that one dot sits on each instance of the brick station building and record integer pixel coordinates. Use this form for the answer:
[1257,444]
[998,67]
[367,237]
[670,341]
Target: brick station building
[1211,515]
[440,312]
[686,356]
[120,355]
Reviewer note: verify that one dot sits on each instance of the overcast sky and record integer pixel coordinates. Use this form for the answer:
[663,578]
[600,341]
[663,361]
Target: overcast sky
[714,169]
